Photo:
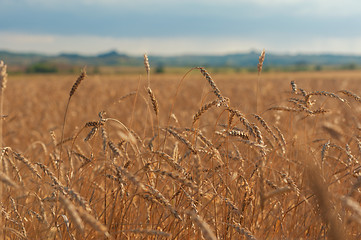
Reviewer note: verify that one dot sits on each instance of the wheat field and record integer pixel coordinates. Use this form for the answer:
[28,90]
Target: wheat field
[192,156]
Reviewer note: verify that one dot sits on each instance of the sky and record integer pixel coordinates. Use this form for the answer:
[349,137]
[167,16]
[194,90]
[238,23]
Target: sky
[177,27]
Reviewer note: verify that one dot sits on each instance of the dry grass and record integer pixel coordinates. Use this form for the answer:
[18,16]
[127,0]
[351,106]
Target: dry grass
[211,167]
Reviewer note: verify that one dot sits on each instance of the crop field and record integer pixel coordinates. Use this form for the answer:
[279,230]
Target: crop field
[182,156]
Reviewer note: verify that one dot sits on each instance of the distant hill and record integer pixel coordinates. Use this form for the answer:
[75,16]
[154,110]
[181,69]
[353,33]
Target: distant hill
[111,54]
[240,60]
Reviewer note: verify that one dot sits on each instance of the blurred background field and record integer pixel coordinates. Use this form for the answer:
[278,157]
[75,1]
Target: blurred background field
[45,95]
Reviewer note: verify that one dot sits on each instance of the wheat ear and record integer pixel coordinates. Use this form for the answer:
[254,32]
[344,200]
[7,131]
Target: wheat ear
[153,100]
[217,92]
[147,68]
[324,93]
[259,67]
[203,109]
[260,61]
[351,94]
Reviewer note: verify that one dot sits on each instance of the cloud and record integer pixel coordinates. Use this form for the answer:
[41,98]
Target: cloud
[86,44]
[298,24]
[261,7]
[17,39]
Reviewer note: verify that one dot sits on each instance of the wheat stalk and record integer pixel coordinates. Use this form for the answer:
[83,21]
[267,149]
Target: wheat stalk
[205,228]
[7,180]
[16,170]
[18,216]
[93,222]
[149,232]
[319,188]
[147,188]
[3,82]
[73,213]
[71,93]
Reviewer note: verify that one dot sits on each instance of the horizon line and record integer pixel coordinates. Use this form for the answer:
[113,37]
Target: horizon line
[250,51]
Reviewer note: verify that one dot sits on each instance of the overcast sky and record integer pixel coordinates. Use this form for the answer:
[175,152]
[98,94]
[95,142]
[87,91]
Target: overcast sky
[168,27]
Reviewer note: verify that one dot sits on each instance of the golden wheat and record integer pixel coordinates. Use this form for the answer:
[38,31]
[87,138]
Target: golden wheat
[285,173]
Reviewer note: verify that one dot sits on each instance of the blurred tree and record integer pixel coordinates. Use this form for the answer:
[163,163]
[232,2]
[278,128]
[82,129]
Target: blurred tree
[42,67]
[160,68]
